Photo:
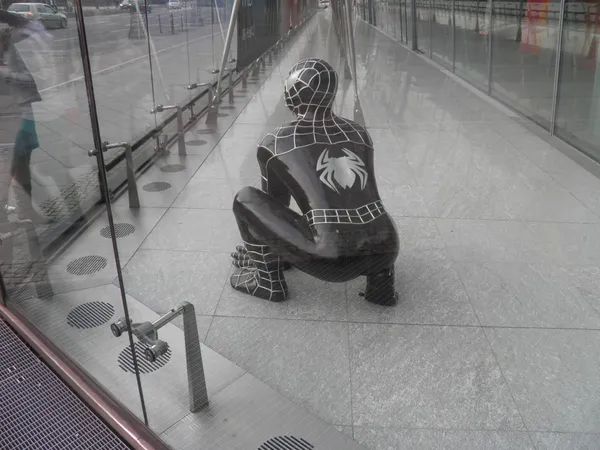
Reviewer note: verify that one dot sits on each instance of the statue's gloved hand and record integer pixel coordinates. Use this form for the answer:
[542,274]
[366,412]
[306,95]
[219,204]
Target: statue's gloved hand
[241,259]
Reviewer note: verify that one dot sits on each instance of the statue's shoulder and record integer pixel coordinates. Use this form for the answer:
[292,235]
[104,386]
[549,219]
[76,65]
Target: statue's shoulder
[356,131]
[276,139]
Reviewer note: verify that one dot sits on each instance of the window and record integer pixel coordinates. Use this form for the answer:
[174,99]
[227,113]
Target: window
[19,7]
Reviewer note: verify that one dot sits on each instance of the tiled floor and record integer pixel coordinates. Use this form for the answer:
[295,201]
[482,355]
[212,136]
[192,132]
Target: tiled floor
[495,343]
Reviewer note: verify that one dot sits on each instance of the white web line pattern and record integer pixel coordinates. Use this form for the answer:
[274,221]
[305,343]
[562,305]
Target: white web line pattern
[265,273]
[359,216]
[323,127]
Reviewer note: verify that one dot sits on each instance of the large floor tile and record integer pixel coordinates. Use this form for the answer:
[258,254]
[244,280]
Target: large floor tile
[526,295]
[504,241]
[195,230]
[566,441]
[309,298]
[388,438]
[206,193]
[554,376]
[162,279]
[430,377]
[306,361]
[249,415]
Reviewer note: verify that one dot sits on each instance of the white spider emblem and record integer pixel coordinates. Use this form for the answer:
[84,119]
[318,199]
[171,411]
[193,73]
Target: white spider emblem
[344,170]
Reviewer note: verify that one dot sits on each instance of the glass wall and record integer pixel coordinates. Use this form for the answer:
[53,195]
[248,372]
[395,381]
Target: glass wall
[509,50]
[90,96]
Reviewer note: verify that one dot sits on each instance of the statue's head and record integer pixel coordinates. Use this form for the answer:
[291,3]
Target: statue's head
[310,87]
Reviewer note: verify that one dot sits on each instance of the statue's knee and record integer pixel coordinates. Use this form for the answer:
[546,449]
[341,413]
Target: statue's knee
[244,196]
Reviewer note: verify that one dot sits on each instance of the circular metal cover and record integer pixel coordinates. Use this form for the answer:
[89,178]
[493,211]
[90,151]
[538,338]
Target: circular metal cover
[157,186]
[145,366]
[286,443]
[90,315]
[196,142]
[87,265]
[121,230]
[171,168]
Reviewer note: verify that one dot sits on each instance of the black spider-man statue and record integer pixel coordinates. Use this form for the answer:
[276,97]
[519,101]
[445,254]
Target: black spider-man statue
[326,163]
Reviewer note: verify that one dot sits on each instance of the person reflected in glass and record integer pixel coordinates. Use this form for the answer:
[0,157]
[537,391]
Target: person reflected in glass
[18,131]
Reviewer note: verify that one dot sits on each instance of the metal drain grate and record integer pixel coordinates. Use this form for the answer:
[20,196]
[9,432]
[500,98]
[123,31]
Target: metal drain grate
[207,131]
[22,293]
[121,230]
[157,186]
[87,265]
[90,315]
[145,366]
[286,443]
[171,168]
[196,142]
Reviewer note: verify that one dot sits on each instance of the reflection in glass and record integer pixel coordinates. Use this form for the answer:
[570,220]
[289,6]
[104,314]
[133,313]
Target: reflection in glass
[423,25]
[578,107]
[524,39]
[441,31]
[472,25]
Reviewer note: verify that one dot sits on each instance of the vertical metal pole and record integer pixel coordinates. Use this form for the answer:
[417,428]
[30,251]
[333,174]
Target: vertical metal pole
[414,27]
[245,78]
[231,28]
[180,133]
[561,24]
[358,112]
[430,16]
[489,36]
[193,356]
[453,19]
[231,100]
[89,87]
[132,191]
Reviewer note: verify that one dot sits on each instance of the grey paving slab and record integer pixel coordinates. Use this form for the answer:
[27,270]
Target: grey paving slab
[429,292]
[247,415]
[504,241]
[306,361]
[203,323]
[566,441]
[162,279]
[309,298]
[389,438]
[441,377]
[206,193]
[553,375]
[208,230]
[533,295]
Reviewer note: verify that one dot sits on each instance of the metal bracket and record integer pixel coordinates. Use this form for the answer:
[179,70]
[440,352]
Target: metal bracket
[147,332]
[134,198]
[211,116]
[180,132]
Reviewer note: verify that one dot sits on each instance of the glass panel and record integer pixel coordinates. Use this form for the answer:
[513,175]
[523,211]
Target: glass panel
[471,35]
[441,31]
[423,25]
[524,42]
[578,108]
[58,274]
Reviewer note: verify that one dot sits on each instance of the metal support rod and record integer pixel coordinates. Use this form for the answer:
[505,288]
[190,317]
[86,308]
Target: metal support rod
[159,25]
[256,69]
[358,112]
[211,116]
[132,190]
[230,30]
[489,36]
[230,76]
[557,67]
[453,19]
[245,78]
[180,131]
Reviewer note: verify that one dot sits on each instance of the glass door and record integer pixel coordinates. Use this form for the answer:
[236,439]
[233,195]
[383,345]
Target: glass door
[60,260]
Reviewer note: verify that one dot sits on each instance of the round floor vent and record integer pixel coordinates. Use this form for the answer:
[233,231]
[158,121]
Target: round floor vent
[86,265]
[157,186]
[172,168]
[196,142]
[207,131]
[90,315]
[121,230]
[145,366]
[286,443]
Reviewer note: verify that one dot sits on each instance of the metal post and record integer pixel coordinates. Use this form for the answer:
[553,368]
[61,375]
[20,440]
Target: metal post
[489,36]
[230,30]
[245,78]
[358,113]
[172,24]
[159,25]
[413,14]
[453,18]
[181,137]
[230,76]
[557,66]
[256,69]
[193,357]
[211,117]
[132,190]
